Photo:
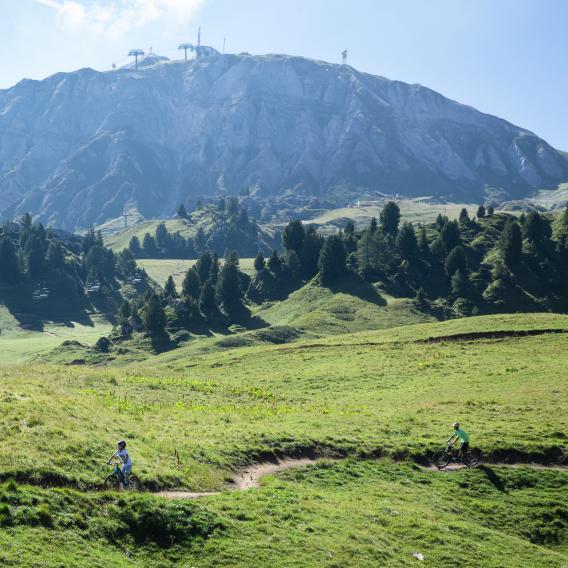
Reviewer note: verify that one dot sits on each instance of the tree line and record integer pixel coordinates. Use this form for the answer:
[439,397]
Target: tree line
[229,226]
[31,253]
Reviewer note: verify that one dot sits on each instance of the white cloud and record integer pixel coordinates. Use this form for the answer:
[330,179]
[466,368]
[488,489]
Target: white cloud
[116,17]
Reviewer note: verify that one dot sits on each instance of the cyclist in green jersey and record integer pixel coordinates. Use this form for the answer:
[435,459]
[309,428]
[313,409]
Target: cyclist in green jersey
[459,434]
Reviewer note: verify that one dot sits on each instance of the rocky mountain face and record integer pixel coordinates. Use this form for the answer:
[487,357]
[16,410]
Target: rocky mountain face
[80,148]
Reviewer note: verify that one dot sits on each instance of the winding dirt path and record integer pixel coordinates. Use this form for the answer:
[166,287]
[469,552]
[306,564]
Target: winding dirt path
[250,478]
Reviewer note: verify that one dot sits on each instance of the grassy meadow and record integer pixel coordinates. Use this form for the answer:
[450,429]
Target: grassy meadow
[358,376]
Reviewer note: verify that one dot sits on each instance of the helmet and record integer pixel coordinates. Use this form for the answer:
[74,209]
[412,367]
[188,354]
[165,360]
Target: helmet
[456,425]
[121,443]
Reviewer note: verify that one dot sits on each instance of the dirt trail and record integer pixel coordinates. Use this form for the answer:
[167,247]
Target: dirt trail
[250,478]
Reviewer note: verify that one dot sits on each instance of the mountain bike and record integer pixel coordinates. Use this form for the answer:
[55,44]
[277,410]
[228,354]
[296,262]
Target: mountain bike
[115,481]
[442,458]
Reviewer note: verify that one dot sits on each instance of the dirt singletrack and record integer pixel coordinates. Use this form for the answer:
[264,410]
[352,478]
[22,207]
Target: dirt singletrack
[250,477]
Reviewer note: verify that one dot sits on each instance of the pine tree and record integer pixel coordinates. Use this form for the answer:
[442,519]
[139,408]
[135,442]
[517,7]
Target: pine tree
[464,219]
[134,246]
[34,256]
[191,284]
[124,312]
[349,228]
[9,271]
[456,260]
[511,243]
[55,256]
[292,261]
[153,315]
[481,212]
[170,291]
[149,246]
[203,267]
[390,218]
[373,226]
[333,259]
[450,235]
[293,236]
[421,299]
[200,239]
[259,262]
[490,211]
[406,242]
[459,284]
[274,263]
[536,228]
[215,269]
[182,212]
[367,254]
[310,252]
[229,285]
[423,247]
[207,303]
[163,239]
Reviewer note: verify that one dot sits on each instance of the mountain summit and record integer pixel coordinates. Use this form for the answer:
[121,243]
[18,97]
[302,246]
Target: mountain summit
[78,148]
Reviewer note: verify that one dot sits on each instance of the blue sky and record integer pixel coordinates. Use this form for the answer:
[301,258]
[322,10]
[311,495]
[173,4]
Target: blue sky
[505,57]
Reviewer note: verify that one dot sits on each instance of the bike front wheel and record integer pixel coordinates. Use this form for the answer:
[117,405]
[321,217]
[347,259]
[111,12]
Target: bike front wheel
[441,459]
[134,484]
[111,483]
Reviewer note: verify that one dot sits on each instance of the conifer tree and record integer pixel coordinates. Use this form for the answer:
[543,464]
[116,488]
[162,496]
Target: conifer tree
[274,263]
[511,243]
[9,271]
[406,242]
[373,226]
[229,285]
[293,236]
[481,212]
[207,303]
[182,212]
[124,311]
[55,256]
[259,262]
[333,259]
[490,211]
[390,218]
[134,246]
[456,260]
[153,315]
[170,291]
[191,284]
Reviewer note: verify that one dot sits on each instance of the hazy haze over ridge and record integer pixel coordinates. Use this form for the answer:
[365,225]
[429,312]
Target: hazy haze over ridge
[506,58]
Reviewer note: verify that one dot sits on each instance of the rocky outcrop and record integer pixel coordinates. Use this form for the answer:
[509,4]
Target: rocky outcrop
[78,148]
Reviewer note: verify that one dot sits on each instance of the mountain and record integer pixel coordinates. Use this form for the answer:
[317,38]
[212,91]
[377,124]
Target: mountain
[80,148]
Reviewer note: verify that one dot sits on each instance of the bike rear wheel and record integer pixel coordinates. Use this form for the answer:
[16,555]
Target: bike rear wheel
[441,459]
[111,483]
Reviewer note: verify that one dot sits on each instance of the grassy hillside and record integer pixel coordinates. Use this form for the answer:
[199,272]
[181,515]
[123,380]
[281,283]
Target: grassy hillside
[192,418]
[349,306]
[412,210]
[159,269]
[119,240]
[340,514]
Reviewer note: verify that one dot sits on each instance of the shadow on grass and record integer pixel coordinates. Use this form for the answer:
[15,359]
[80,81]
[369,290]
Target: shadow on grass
[493,478]
[354,285]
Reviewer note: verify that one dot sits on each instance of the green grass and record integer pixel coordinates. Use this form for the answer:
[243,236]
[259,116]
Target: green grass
[348,513]
[194,415]
[350,307]
[19,345]
[362,393]
[160,269]
[119,240]
[412,210]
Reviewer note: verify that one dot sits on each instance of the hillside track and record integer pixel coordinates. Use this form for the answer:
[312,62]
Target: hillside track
[251,477]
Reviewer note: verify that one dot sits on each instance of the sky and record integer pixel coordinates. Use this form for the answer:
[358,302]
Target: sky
[505,57]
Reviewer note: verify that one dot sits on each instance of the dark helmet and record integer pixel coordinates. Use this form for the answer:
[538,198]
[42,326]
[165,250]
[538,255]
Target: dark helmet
[121,443]
[456,425]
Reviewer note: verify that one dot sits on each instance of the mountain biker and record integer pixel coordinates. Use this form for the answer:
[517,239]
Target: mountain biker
[124,457]
[459,434]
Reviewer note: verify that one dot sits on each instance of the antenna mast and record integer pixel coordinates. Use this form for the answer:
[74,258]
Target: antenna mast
[199,37]
[344,57]
[135,53]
